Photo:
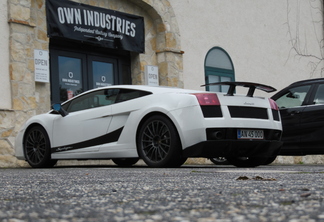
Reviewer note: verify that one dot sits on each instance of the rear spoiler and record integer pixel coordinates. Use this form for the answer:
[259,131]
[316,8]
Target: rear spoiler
[252,86]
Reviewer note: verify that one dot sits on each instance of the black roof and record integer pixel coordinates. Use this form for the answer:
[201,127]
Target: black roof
[317,80]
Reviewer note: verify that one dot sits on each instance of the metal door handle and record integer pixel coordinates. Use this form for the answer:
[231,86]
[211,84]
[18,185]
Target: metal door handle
[292,113]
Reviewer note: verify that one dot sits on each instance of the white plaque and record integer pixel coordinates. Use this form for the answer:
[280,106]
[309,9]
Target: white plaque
[152,75]
[41,62]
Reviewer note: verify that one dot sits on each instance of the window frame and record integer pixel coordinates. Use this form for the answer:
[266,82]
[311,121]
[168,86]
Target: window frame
[220,72]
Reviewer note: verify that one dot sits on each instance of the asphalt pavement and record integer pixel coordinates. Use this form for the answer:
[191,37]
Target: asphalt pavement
[201,193]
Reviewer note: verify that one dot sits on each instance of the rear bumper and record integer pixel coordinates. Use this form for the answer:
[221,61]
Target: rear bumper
[235,148]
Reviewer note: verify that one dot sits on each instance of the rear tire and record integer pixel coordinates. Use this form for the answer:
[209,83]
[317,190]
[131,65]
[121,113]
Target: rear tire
[158,143]
[37,148]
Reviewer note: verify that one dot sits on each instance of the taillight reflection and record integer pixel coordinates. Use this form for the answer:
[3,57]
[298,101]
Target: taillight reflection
[207,99]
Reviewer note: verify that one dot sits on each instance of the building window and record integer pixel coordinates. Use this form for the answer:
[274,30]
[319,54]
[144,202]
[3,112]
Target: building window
[218,68]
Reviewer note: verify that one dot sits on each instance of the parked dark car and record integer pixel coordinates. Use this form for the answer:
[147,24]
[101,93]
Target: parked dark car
[301,106]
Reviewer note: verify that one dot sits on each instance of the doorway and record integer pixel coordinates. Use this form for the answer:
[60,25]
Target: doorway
[77,69]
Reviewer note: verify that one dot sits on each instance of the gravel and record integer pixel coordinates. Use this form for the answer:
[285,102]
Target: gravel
[201,193]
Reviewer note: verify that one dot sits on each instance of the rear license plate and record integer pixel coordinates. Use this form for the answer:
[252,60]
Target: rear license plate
[249,134]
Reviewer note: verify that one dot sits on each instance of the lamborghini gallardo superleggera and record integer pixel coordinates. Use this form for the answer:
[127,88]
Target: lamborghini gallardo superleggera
[163,126]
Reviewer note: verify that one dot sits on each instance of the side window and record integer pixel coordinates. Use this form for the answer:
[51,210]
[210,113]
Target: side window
[293,97]
[319,96]
[92,100]
[128,94]
[103,97]
[218,68]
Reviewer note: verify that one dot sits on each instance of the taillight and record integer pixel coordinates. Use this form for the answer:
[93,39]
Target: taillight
[207,99]
[273,104]
[274,109]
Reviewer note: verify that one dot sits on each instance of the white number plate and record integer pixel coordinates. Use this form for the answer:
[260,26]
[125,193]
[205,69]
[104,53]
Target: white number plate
[249,134]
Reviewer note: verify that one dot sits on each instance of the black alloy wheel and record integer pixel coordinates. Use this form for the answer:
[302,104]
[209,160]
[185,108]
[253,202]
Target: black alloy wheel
[125,162]
[37,148]
[158,143]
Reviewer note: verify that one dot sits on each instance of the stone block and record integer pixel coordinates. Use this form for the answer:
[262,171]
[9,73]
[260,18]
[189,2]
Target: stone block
[42,35]
[17,71]
[19,12]
[6,133]
[171,41]
[39,3]
[5,148]
[6,119]
[18,53]
[18,104]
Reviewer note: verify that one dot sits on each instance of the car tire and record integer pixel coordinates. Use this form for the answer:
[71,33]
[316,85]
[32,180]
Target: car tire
[245,161]
[125,162]
[37,148]
[219,161]
[158,143]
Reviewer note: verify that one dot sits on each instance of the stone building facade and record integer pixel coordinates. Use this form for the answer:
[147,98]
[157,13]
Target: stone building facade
[178,36]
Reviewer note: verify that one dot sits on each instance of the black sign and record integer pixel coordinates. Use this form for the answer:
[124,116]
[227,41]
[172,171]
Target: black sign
[96,25]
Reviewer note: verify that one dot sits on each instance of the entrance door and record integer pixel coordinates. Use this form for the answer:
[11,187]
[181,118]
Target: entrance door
[74,73]
[101,71]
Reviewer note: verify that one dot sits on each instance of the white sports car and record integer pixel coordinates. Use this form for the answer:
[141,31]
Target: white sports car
[161,125]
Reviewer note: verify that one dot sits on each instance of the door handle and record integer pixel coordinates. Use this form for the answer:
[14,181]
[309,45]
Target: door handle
[292,113]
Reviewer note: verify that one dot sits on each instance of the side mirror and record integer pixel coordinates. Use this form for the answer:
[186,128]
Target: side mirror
[58,108]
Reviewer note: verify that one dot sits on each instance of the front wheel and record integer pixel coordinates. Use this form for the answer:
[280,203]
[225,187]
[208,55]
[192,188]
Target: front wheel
[37,148]
[158,143]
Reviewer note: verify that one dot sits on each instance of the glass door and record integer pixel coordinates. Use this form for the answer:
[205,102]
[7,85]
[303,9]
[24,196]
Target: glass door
[73,73]
[102,71]
[68,75]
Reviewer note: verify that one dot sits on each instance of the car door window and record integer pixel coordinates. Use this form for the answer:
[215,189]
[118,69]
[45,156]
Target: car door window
[293,97]
[92,100]
[319,96]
